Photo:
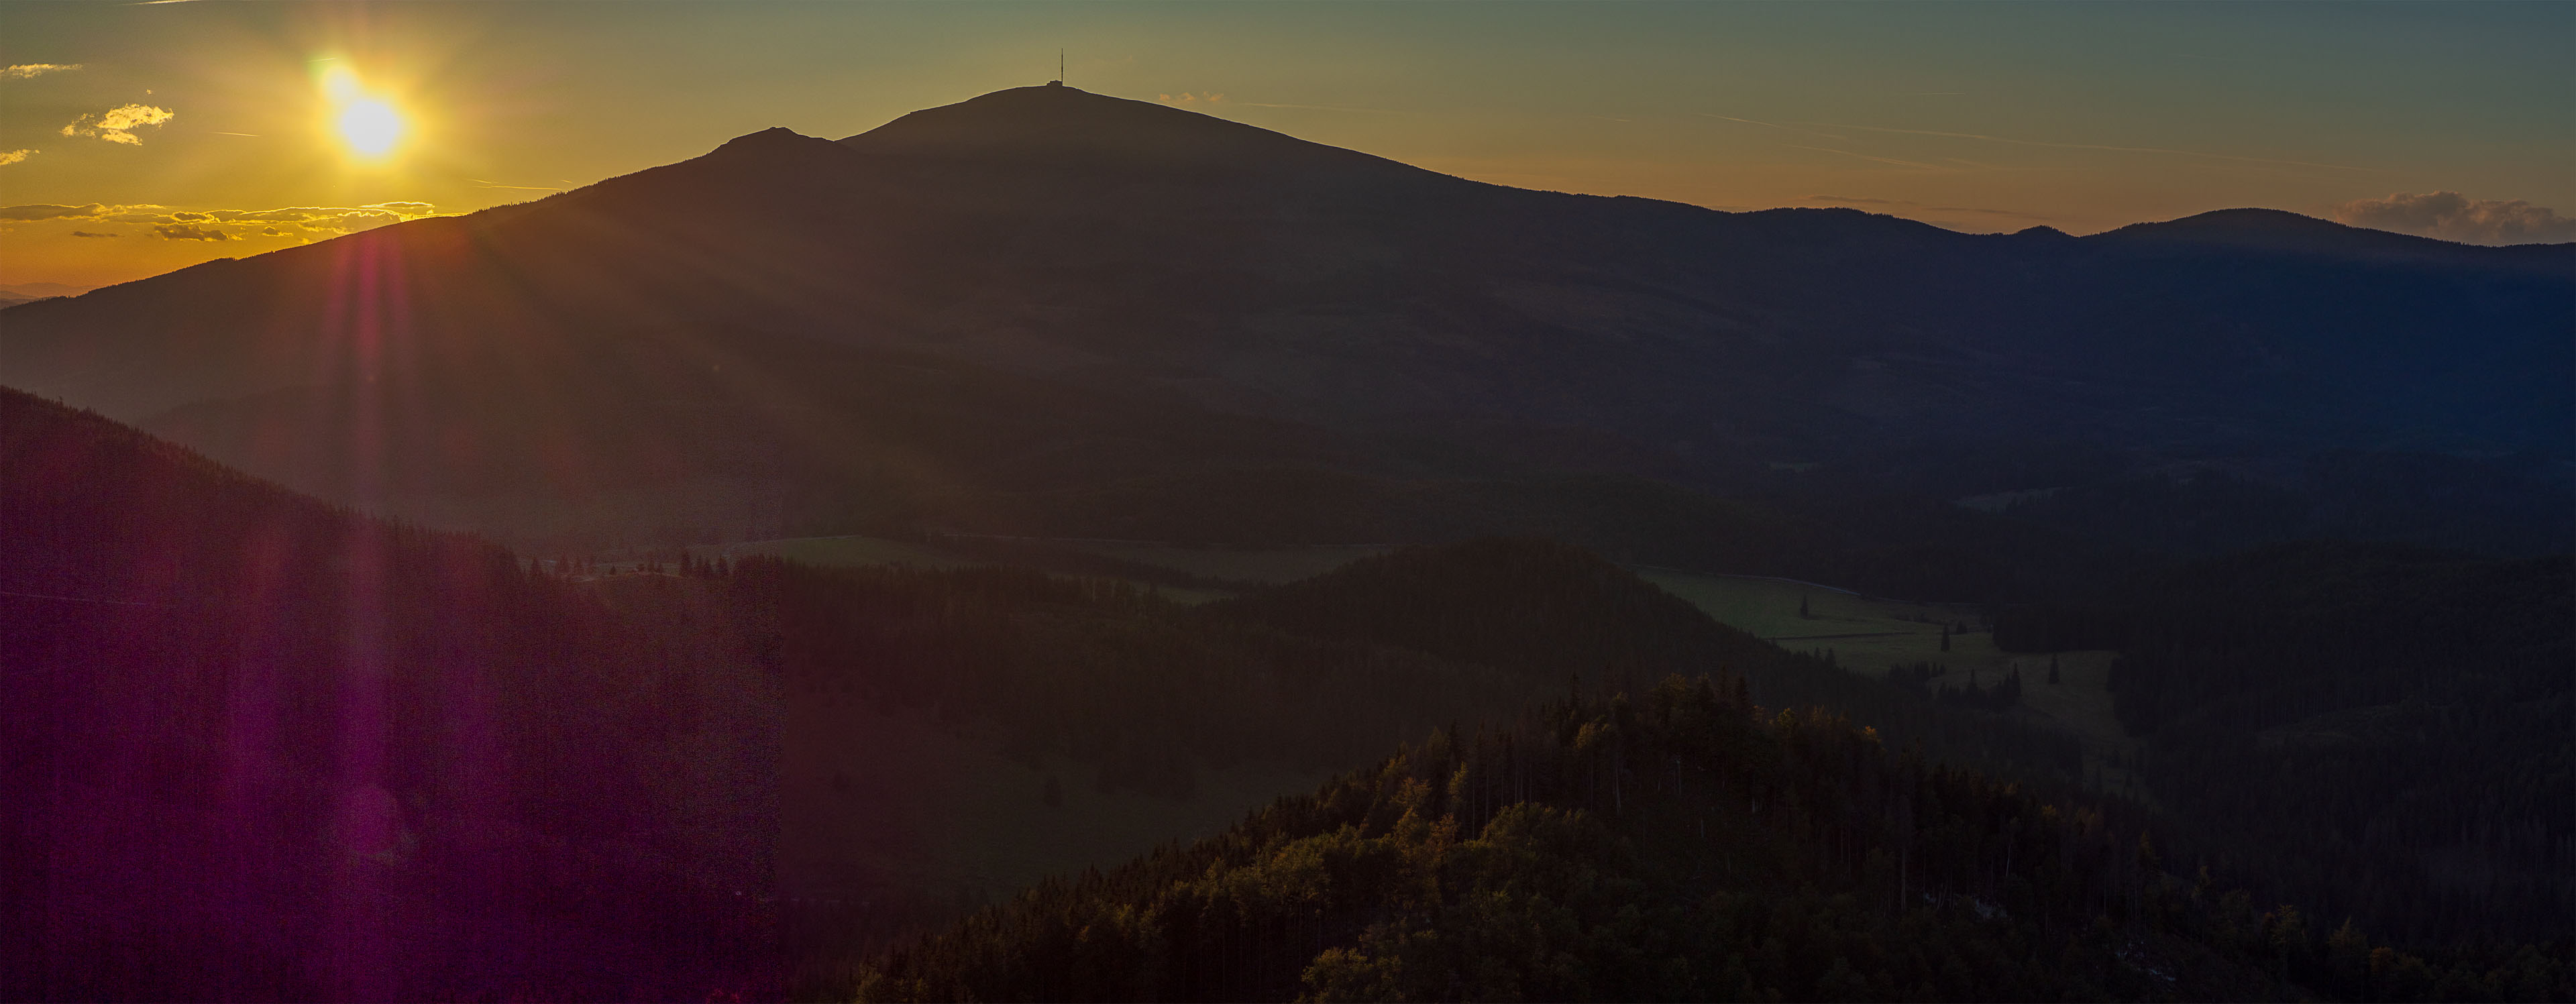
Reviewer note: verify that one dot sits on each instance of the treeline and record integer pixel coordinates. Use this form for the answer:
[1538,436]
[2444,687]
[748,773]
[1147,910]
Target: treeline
[1684,846]
[2376,729]
[2506,506]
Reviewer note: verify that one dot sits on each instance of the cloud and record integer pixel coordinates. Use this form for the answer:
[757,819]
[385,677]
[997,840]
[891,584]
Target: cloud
[184,232]
[85,233]
[273,232]
[1326,108]
[47,211]
[320,219]
[8,157]
[24,70]
[1205,99]
[2455,217]
[117,125]
[1774,125]
[1863,156]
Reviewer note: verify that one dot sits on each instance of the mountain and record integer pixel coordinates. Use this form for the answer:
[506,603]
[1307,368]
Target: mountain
[978,315]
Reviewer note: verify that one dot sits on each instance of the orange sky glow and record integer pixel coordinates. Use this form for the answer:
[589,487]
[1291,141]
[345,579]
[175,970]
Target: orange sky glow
[141,138]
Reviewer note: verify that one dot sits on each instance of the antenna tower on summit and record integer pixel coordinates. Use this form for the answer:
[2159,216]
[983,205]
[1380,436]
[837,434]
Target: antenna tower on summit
[1059,67]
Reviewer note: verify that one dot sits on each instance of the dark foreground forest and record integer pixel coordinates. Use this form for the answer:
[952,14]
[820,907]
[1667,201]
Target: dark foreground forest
[1683,846]
[261,748]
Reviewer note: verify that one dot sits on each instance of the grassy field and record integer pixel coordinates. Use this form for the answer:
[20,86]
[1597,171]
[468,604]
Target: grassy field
[1868,635]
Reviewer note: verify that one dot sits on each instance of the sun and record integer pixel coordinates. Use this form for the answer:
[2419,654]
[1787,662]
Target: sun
[371,127]
[368,124]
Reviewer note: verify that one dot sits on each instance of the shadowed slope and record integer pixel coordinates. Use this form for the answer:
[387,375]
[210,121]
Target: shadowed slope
[260,748]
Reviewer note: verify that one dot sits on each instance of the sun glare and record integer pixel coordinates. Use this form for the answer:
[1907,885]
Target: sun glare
[368,124]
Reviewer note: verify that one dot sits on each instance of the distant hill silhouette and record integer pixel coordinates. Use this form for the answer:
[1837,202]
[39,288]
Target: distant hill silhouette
[556,364]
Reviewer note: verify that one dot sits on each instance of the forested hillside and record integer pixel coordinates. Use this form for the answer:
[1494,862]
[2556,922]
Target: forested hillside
[260,748]
[2382,730]
[1684,846]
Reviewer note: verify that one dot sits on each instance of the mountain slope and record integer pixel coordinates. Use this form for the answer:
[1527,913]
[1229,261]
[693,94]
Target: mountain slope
[1407,320]
[261,748]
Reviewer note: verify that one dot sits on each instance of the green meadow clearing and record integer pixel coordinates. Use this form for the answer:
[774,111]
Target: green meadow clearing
[1869,634]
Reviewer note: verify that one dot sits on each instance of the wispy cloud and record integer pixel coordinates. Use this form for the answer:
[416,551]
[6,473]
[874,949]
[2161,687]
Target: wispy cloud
[50,211]
[185,232]
[1330,108]
[1775,125]
[2452,216]
[1863,156]
[2091,146]
[85,233]
[22,71]
[199,222]
[1205,99]
[8,157]
[116,125]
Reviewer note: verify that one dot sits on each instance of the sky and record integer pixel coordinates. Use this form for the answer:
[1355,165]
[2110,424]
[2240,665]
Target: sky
[175,132]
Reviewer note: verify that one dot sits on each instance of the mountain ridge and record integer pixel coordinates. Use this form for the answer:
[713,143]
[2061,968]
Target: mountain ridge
[1256,274]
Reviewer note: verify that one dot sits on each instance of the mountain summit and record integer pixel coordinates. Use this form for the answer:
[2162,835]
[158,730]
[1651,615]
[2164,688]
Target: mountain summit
[1057,128]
